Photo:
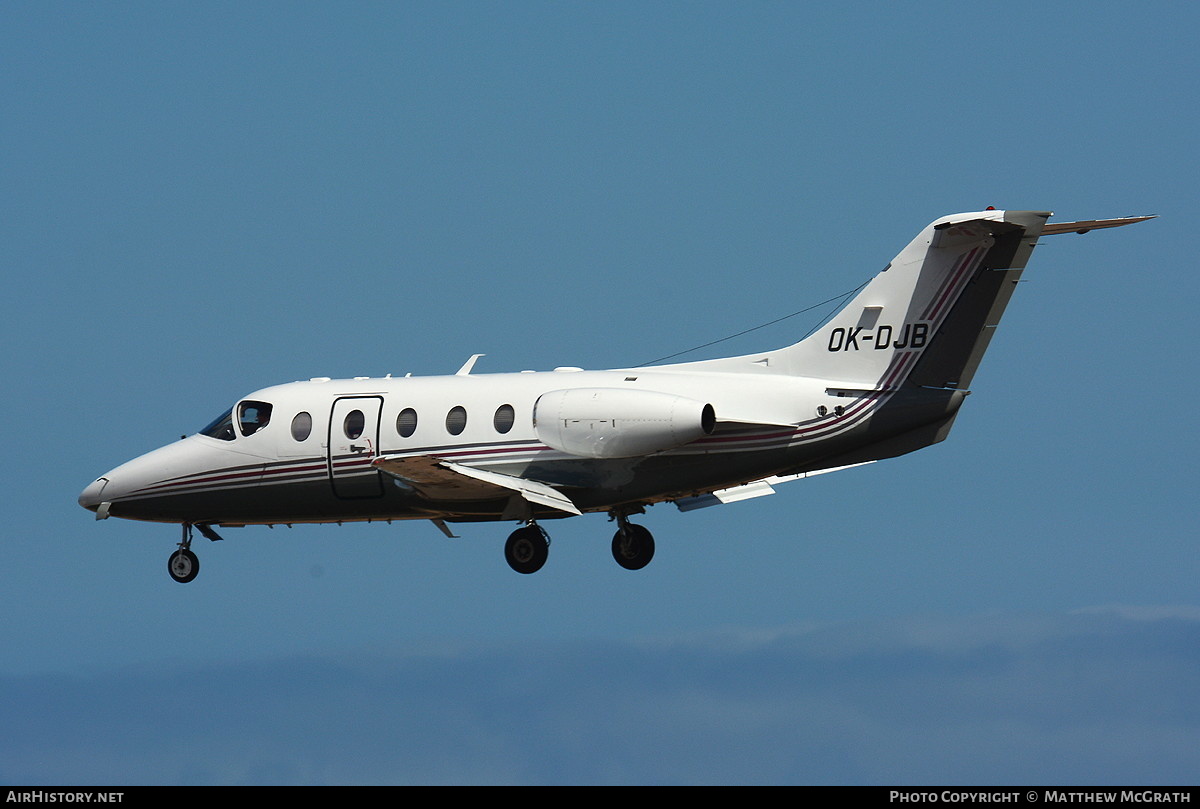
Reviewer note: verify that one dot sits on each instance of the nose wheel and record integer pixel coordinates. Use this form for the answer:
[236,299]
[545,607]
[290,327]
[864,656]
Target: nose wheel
[527,549]
[183,564]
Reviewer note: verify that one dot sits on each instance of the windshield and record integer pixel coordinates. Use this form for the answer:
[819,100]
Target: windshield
[221,427]
[253,416]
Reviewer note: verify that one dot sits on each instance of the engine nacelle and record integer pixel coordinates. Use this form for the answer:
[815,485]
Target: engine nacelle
[618,423]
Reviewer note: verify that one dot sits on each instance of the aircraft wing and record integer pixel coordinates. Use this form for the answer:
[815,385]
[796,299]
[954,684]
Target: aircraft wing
[755,488]
[439,479]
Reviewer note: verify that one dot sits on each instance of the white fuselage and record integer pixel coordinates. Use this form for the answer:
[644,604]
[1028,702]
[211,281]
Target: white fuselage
[313,460]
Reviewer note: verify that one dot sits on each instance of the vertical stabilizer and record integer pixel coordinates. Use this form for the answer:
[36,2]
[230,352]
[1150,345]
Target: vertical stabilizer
[902,317]
[926,318]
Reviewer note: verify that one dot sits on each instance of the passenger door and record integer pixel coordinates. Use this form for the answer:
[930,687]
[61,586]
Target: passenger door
[353,444]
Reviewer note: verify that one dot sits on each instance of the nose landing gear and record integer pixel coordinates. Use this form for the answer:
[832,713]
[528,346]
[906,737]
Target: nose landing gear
[183,564]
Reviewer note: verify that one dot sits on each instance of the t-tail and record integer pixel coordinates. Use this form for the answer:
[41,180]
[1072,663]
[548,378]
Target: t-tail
[928,317]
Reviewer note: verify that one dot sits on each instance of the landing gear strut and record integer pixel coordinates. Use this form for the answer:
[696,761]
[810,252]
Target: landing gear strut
[632,545]
[527,549]
[183,564]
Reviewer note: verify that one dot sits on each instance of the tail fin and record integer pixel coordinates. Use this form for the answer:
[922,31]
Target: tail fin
[928,315]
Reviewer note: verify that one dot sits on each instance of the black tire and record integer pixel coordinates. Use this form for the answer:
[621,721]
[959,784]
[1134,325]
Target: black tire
[183,566]
[633,547]
[527,549]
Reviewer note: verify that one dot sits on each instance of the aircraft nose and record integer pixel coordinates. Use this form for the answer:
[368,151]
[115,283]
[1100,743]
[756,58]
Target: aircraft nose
[91,497]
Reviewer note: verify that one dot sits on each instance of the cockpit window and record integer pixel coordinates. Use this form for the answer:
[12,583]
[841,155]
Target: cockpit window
[253,416]
[221,427]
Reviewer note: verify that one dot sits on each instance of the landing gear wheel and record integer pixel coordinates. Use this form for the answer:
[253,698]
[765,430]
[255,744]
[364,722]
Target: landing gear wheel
[527,549]
[633,546]
[183,566]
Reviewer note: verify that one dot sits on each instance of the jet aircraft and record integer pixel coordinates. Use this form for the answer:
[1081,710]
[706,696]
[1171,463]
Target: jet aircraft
[884,376]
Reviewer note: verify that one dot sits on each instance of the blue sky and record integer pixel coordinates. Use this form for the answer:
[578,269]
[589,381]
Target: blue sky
[202,200]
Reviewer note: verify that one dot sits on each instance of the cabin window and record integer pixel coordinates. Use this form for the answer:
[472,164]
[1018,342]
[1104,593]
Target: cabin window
[504,418]
[221,427]
[253,416]
[354,424]
[406,422]
[456,420]
[301,426]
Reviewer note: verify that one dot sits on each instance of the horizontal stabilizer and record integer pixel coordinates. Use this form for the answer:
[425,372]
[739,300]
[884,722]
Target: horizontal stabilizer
[1053,228]
[747,491]
[438,479]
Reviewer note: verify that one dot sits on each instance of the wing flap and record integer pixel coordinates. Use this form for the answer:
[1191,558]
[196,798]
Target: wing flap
[440,479]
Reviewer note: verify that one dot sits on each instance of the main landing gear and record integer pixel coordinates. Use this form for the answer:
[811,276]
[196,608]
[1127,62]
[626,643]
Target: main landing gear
[528,547]
[183,564]
[632,545]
